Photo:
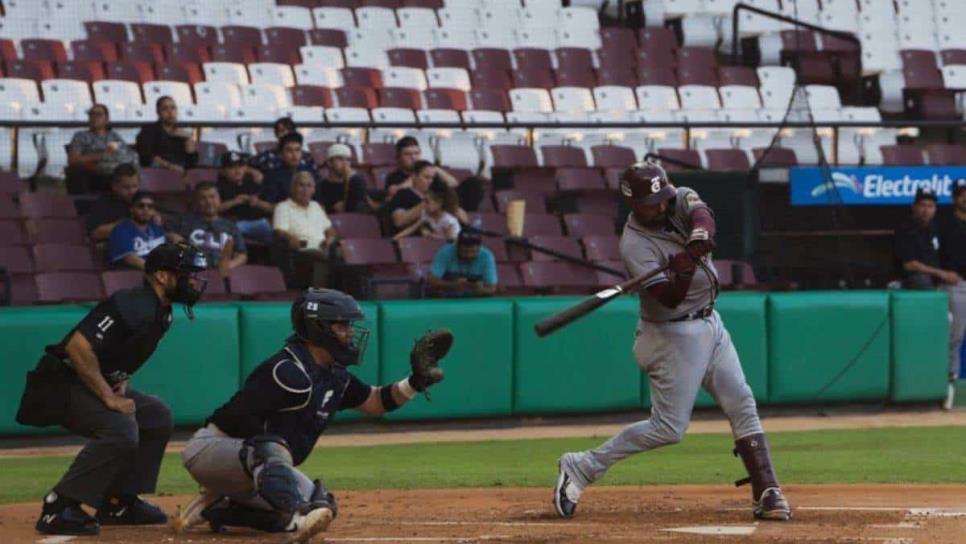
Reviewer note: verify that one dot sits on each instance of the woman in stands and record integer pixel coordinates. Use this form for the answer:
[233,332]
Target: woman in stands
[93,154]
[163,144]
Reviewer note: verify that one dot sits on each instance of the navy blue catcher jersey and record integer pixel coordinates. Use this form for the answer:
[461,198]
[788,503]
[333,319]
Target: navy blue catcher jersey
[291,397]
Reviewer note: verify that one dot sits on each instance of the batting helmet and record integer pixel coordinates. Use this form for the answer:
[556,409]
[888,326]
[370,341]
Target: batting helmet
[646,183]
[313,314]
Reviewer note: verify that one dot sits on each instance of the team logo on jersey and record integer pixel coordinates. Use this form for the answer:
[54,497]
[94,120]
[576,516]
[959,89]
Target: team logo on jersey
[626,190]
[655,184]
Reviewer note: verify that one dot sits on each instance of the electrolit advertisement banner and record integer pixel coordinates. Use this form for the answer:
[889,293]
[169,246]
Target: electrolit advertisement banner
[872,186]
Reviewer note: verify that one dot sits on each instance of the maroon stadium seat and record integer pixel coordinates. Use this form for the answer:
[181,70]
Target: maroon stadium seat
[311,95]
[217,287]
[95,50]
[559,244]
[106,32]
[612,156]
[602,248]
[356,97]
[152,33]
[450,58]
[616,60]
[575,68]
[9,208]
[187,52]
[413,58]
[285,37]
[738,75]
[493,57]
[493,222]
[10,183]
[138,72]
[238,53]
[702,57]
[579,179]
[195,35]
[657,37]
[356,225]
[606,279]
[689,157]
[563,156]
[624,77]
[946,154]
[939,104]
[918,58]
[62,257]
[16,259]
[657,76]
[429,4]
[735,273]
[727,159]
[798,40]
[37,70]
[115,280]
[690,75]
[41,49]
[419,249]
[535,201]
[953,56]
[56,231]
[161,180]
[195,176]
[576,77]
[59,287]
[47,204]
[902,155]
[618,39]
[11,233]
[261,147]
[776,157]
[151,53]
[497,248]
[598,202]
[362,77]
[247,36]
[24,290]
[379,154]
[281,54]
[445,99]
[557,276]
[185,72]
[532,57]
[8,50]
[580,225]
[511,156]
[490,77]
[574,57]
[612,177]
[509,280]
[398,97]
[368,251]
[390,4]
[541,224]
[490,100]
[256,281]
[533,78]
[329,37]
[655,55]
[82,70]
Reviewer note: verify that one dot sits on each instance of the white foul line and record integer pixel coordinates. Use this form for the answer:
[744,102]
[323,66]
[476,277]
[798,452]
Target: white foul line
[495,523]
[55,539]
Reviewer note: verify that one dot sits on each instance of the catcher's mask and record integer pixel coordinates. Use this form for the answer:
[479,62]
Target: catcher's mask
[316,311]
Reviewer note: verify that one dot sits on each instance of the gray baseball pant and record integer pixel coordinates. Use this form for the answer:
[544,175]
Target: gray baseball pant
[957,327]
[679,358]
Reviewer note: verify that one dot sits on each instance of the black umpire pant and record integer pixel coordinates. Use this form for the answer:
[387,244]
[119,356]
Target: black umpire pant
[124,454]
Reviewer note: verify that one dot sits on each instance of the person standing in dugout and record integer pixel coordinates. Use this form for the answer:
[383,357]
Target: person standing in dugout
[680,342]
[245,457]
[81,384]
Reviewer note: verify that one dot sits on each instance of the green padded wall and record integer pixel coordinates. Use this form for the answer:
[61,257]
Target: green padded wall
[23,334]
[586,367]
[195,368]
[744,316]
[813,336]
[264,327]
[479,369]
[920,345]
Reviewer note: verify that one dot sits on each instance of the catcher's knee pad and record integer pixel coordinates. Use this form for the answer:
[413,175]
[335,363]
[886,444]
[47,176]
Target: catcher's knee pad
[228,513]
[269,461]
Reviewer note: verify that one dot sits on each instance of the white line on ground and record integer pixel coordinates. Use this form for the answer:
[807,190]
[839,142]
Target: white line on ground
[938,512]
[494,523]
[415,538]
[729,530]
[55,539]
[901,525]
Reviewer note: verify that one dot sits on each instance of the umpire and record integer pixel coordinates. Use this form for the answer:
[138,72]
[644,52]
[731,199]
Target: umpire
[81,384]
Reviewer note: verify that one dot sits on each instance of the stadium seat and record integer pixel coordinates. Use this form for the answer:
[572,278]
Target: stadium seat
[196,35]
[561,156]
[356,97]
[329,37]
[408,57]
[448,78]
[490,100]
[445,99]
[604,247]
[513,156]
[323,77]
[450,58]
[368,251]
[612,156]
[311,95]
[15,258]
[679,159]
[271,73]
[535,202]
[46,204]
[902,155]
[727,159]
[409,78]
[234,53]
[775,157]
[572,99]
[657,97]
[53,231]
[946,154]
[115,280]
[557,276]
[356,225]
[541,224]
[258,282]
[192,53]
[559,244]
[62,257]
[43,50]
[226,72]
[151,33]
[581,225]
[63,287]
[179,91]
[36,70]
[530,100]
[419,249]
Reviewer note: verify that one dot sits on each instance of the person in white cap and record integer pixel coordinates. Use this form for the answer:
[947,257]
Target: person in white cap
[342,189]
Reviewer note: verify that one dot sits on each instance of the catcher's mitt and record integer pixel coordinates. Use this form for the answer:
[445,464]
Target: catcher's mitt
[425,357]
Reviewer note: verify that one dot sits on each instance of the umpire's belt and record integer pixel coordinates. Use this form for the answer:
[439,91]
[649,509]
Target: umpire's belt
[699,314]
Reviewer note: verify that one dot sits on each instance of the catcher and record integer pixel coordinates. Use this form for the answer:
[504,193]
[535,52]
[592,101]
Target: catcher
[245,457]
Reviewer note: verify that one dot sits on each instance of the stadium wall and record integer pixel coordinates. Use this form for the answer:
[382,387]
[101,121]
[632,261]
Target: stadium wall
[799,348]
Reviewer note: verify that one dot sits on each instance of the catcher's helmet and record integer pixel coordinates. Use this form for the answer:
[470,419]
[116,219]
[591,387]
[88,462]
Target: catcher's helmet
[313,313]
[646,183]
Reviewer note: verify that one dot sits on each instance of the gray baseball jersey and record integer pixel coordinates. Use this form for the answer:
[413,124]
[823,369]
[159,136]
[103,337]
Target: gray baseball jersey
[645,248]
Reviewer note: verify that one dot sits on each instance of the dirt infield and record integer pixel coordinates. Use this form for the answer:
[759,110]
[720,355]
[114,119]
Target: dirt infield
[834,513]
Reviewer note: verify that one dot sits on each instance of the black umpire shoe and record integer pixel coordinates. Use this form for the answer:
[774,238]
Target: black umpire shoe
[61,516]
[130,511]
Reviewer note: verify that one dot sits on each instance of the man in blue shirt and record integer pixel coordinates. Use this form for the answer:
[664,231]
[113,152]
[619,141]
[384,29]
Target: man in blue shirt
[463,269]
[133,238]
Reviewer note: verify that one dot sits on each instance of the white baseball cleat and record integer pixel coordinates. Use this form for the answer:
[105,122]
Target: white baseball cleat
[566,494]
[950,399]
[190,515]
[309,524]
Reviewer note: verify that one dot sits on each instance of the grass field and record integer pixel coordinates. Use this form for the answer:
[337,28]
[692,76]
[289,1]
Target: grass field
[901,455]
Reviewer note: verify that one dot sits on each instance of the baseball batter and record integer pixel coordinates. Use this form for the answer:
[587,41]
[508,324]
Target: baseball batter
[680,342]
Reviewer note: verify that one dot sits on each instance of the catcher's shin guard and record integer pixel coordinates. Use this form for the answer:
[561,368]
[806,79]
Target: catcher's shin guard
[228,513]
[768,501]
[269,461]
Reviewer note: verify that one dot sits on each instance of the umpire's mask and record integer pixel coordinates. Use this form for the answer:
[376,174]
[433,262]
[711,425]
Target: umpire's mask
[316,311]
[187,263]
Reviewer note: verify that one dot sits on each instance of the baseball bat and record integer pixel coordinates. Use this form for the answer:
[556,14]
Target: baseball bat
[584,307]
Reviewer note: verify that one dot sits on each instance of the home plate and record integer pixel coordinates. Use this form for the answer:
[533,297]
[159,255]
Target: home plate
[723,530]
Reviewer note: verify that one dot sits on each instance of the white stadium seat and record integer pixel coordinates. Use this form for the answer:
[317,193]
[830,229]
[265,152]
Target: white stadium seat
[60,29]
[335,18]
[540,37]
[498,36]
[531,100]
[303,114]
[417,19]
[306,74]
[586,38]
[72,94]
[657,98]
[227,72]
[408,78]
[292,16]
[739,97]
[572,99]
[272,72]
[376,18]
[178,90]
[615,98]
[777,84]
[322,56]
[117,95]
[206,112]
[259,112]
[348,115]
[366,57]
[218,92]
[412,38]
[454,38]
[264,94]
[121,12]
[448,78]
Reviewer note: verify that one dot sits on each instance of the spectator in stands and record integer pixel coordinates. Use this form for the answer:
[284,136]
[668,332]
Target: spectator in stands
[438,219]
[342,190]
[111,208]
[266,161]
[952,255]
[408,154]
[464,268]
[307,234]
[279,180]
[407,205]
[162,144]
[241,198]
[133,238]
[217,237]
[93,154]
[917,247]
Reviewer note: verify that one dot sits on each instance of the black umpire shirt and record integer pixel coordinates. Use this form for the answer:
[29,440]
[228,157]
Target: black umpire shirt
[916,242]
[952,244]
[292,397]
[123,330]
